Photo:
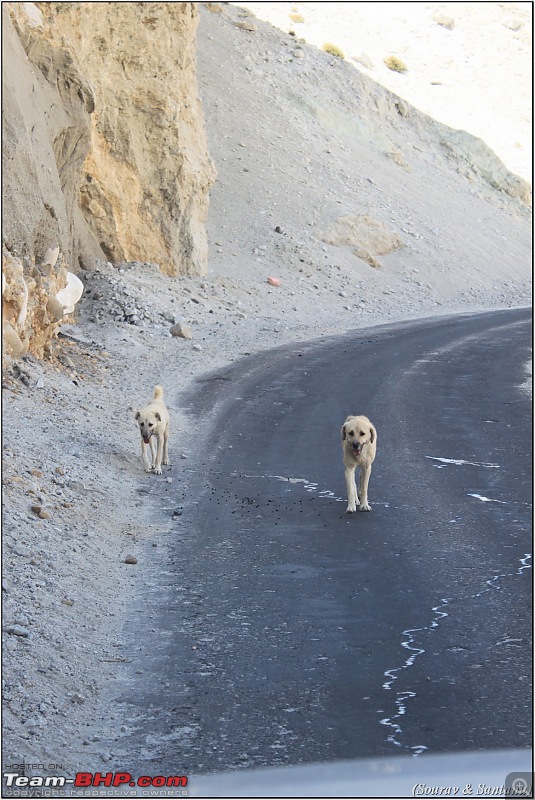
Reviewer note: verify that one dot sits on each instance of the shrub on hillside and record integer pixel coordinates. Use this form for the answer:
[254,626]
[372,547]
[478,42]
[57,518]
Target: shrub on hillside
[395,64]
[333,50]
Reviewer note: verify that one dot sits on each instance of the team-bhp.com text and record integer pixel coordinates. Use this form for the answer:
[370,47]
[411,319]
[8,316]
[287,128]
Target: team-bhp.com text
[84,780]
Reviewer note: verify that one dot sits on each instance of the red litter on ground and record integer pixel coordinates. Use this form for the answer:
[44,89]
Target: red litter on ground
[274,281]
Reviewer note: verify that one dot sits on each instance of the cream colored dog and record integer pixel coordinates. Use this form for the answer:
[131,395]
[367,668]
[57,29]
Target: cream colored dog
[153,420]
[359,443]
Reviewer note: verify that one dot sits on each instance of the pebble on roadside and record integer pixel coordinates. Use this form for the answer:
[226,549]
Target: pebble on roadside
[41,513]
[182,331]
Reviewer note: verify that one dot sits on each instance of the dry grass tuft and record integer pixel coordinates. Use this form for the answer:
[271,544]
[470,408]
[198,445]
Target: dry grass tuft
[333,50]
[395,64]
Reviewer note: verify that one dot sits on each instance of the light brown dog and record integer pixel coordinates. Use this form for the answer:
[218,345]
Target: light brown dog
[153,420]
[359,443]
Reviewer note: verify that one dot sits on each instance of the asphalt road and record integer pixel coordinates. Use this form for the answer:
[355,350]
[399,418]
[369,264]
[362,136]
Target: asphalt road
[284,631]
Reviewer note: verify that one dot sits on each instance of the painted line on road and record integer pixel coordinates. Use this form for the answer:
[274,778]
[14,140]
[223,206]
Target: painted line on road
[485,499]
[459,462]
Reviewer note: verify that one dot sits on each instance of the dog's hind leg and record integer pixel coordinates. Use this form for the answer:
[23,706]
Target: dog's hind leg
[351,486]
[363,488]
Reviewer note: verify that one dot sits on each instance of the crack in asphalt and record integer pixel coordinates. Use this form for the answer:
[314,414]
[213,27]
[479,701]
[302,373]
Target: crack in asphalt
[393,722]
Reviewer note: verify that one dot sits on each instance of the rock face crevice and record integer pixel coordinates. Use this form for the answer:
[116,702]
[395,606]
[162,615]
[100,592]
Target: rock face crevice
[104,143]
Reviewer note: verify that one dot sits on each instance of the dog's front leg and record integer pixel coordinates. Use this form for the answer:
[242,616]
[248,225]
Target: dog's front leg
[165,445]
[145,457]
[351,486]
[363,488]
[158,464]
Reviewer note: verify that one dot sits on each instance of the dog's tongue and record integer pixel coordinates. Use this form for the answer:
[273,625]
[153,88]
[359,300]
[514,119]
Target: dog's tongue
[147,440]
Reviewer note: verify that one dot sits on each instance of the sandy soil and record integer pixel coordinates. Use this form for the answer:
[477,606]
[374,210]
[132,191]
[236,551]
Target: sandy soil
[468,64]
[299,139]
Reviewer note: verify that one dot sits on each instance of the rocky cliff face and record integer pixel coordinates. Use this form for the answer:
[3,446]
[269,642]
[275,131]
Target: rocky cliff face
[104,145]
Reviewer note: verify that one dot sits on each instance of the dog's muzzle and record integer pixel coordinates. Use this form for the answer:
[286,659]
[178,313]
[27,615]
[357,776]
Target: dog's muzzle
[146,440]
[357,449]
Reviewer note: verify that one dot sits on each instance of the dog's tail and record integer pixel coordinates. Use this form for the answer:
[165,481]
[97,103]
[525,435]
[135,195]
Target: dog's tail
[158,393]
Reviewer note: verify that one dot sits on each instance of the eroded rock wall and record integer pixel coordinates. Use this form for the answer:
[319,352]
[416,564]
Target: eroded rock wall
[46,137]
[147,176]
[105,150]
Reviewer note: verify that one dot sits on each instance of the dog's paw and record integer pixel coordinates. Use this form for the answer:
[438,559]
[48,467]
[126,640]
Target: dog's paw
[366,507]
[157,470]
[351,509]
[147,468]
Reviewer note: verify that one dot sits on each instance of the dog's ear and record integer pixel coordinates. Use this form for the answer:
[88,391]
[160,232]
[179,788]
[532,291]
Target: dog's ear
[343,433]
[138,414]
[157,415]
[373,434]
